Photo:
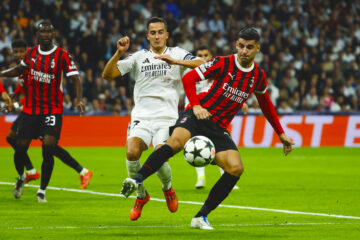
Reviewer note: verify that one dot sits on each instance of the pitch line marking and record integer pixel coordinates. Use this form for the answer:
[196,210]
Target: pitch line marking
[195,203]
[180,226]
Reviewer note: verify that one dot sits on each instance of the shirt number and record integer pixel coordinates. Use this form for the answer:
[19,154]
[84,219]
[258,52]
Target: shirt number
[50,120]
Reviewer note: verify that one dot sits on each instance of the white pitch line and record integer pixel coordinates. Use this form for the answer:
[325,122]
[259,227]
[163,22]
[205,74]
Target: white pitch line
[195,203]
[180,226]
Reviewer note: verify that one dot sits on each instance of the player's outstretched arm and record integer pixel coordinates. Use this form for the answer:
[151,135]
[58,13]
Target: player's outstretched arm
[185,63]
[269,111]
[14,71]
[287,142]
[111,71]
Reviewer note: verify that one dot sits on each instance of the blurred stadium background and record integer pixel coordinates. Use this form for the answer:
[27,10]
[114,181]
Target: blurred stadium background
[311,54]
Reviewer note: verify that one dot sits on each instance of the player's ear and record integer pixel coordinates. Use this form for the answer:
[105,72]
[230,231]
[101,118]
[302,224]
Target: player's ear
[148,36]
[258,47]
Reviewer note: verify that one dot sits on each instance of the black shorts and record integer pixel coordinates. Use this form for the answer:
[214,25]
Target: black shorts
[15,124]
[218,135]
[34,126]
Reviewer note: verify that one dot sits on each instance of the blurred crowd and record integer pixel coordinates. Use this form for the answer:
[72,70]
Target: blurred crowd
[310,49]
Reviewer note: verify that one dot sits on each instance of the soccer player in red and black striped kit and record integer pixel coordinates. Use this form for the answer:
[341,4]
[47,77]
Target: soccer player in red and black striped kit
[43,106]
[19,48]
[235,78]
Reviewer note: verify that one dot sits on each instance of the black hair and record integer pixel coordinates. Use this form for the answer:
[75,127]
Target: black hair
[155,20]
[43,22]
[18,43]
[202,47]
[249,33]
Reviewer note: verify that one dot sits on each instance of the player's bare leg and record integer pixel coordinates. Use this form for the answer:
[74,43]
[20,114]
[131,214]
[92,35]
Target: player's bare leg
[134,148]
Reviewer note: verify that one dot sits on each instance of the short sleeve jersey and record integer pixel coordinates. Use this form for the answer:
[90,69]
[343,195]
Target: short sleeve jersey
[157,84]
[232,85]
[1,88]
[43,82]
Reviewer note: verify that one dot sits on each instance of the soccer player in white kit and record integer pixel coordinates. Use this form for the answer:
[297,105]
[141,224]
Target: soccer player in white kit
[158,72]
[203,86]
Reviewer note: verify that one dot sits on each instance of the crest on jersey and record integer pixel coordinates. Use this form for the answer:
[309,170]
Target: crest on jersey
[251,81]
[52,64]
[184,119]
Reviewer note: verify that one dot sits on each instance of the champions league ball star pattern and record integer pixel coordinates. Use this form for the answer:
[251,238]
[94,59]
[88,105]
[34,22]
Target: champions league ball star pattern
[199,151]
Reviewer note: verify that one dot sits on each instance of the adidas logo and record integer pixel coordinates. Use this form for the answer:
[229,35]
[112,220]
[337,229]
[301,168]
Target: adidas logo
[146,61]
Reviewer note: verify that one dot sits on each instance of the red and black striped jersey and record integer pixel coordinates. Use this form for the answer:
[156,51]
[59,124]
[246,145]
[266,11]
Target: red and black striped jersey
[20,89]
[43,82]
[232,85]
[1,88]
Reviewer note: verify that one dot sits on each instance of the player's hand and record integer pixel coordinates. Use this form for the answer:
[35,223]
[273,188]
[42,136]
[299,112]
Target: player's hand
[166,58]
[123,44]
[201,113]
[81,106]
[245,108]
[287,142]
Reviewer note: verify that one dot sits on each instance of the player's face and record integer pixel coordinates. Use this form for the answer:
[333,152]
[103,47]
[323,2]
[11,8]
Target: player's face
[247,50]
[157,36]
[19,53]
[204,54]
[45,35]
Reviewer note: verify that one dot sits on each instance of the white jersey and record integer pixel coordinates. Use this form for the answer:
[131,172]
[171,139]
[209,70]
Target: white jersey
[157,84]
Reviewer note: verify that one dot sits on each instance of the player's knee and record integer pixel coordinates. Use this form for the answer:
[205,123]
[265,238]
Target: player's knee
[133,154]
[176,144]
[236,170]
[11,141]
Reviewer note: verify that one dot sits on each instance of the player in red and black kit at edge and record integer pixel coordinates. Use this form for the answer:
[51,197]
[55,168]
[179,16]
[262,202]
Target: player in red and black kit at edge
[19,48]
[43,106]
[235,78]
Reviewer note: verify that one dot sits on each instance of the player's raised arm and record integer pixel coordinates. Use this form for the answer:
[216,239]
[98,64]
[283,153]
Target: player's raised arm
[111,71]
[185,63]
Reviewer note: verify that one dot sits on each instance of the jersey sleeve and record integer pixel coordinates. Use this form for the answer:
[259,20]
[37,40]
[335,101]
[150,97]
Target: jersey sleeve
[127,64]
[210,69]
[185,55]
[1,88]
[260,86]
[18,90]
[69,65]
[26,60]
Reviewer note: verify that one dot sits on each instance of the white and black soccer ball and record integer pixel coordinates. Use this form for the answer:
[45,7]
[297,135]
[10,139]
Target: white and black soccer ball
[199,151]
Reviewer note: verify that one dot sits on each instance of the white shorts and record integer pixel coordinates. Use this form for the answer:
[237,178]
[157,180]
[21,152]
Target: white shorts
[150,131]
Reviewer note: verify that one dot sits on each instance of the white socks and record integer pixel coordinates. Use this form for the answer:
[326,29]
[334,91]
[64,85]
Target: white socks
[41,191]
[84,171]
[31,171]
[164,173]
[132,168]
[22,177]
[200,171]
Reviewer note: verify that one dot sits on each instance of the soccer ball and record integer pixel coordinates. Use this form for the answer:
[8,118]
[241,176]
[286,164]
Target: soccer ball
[199,151]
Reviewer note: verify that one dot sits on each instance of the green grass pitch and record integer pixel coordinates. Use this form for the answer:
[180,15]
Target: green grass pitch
[309,180]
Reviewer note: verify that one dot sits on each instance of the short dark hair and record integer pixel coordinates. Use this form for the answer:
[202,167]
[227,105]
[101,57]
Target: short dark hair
[201,48]
[249,33]
[155,20]
[18,43]
[43,22]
